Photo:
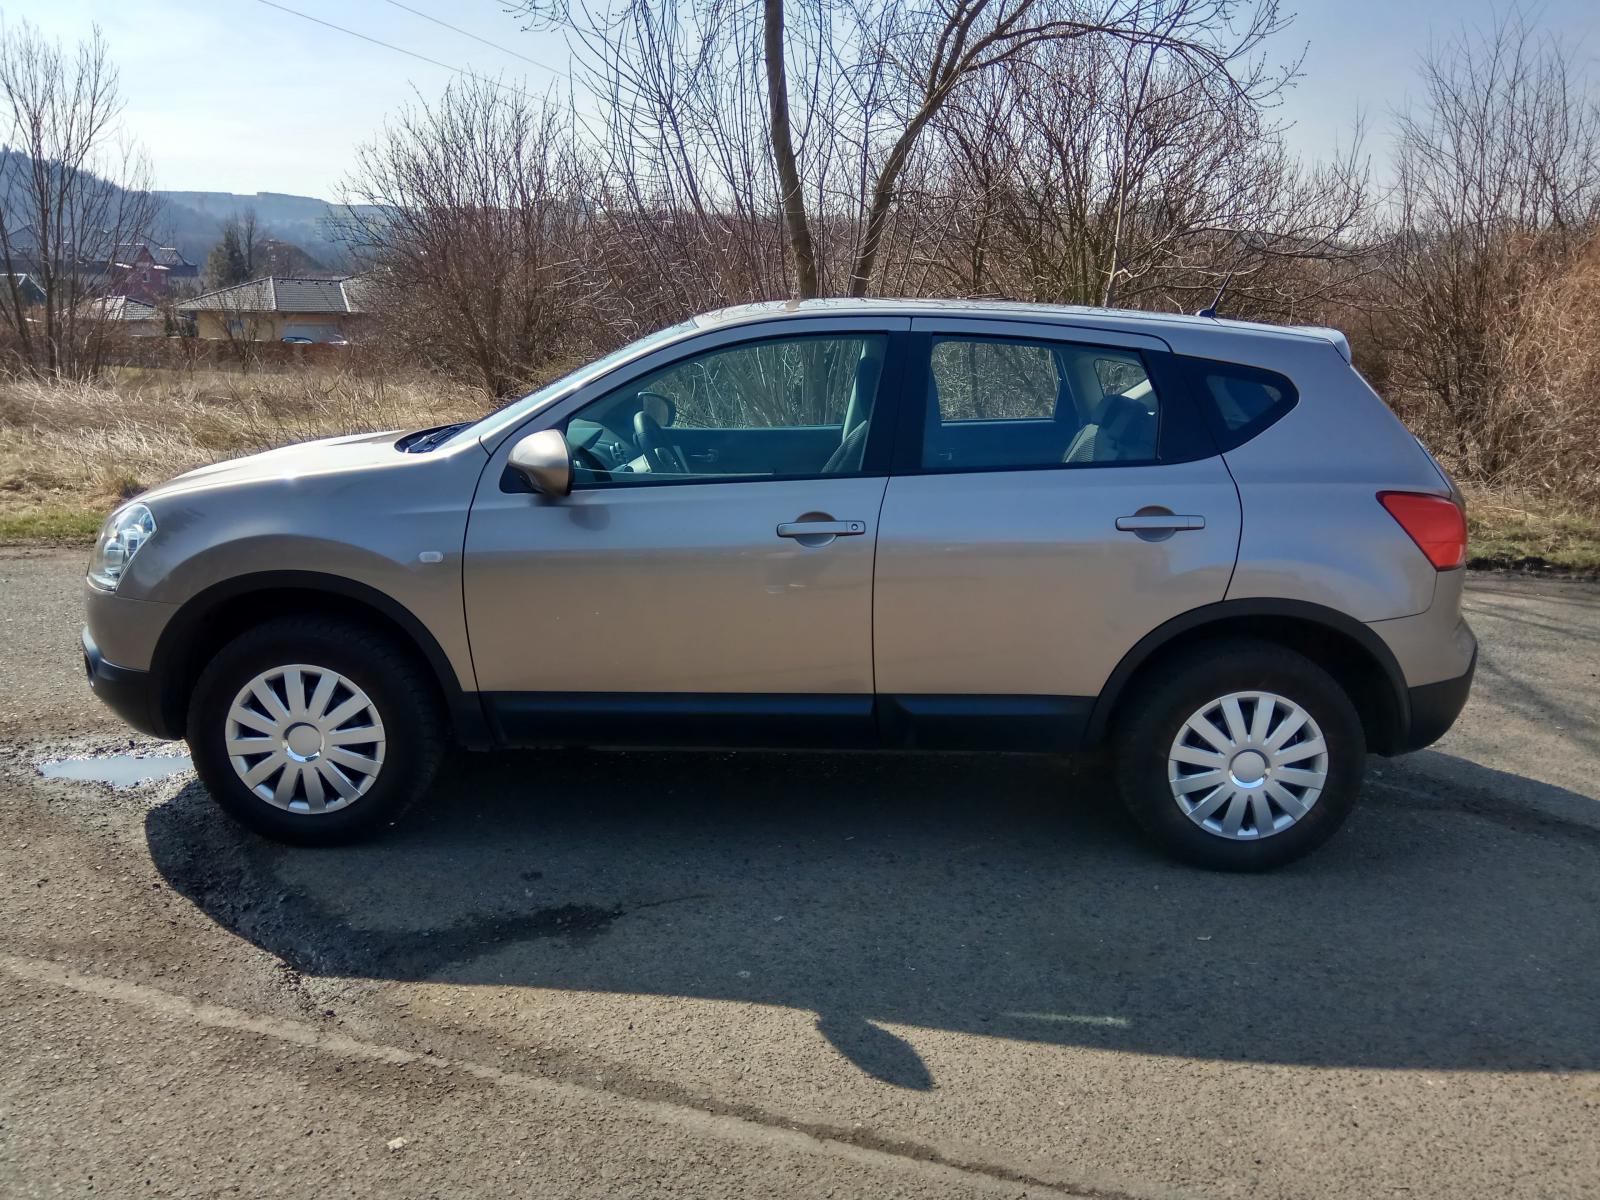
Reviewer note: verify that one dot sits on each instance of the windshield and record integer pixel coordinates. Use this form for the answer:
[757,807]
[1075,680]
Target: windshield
[509,415]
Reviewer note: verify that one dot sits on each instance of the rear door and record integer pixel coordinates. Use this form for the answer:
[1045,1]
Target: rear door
[1054,499]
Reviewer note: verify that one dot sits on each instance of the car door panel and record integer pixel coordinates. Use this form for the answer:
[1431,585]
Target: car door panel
[684,588]
[654,604]
[1017,581]
[1020,583]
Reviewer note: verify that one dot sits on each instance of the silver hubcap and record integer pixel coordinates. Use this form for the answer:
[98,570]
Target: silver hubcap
[305,739]
[1248,765]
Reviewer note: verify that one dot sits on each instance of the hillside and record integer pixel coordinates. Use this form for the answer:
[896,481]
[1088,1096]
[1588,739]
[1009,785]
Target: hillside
[192,221]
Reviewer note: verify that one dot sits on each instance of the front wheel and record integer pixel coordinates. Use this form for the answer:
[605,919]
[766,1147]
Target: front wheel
[314,730]
[1240,755]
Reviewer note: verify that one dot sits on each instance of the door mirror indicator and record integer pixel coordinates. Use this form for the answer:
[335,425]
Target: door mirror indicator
[545,460]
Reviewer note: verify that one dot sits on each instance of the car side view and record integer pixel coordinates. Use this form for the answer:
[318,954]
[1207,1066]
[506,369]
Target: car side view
[1205,545]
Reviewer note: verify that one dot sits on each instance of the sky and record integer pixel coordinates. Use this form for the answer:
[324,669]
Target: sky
[240,96]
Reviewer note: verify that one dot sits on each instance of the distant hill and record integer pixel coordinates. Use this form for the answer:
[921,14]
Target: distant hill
[192,221]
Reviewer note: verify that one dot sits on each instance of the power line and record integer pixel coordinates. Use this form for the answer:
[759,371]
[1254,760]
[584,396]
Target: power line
[468,33]
[397,49]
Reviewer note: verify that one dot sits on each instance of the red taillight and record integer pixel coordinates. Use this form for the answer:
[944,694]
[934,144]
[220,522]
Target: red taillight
[1436,524]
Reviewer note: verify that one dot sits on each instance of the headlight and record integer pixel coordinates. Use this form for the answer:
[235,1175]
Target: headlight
[123,533]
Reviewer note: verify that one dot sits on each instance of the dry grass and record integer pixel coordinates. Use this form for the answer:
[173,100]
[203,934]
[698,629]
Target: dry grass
[1519,535]
[68,452]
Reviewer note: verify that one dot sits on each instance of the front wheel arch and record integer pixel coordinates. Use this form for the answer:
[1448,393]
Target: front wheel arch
[213,617]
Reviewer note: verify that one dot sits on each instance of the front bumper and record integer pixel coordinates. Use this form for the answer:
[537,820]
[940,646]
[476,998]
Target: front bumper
[129,693]
[1435,707]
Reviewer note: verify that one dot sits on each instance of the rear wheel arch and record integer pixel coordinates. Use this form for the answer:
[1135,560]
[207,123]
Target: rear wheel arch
[213,617]
[1345,648]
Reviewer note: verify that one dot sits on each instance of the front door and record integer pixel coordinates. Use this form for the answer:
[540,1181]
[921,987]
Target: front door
[709,579]
[1056,501]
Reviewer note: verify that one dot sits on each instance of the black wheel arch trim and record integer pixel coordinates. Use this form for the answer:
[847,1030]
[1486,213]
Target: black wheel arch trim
[465,707]
[1230,610]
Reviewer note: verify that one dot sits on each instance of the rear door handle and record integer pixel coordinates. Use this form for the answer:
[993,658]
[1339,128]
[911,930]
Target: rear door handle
[1159,522]
[800,529]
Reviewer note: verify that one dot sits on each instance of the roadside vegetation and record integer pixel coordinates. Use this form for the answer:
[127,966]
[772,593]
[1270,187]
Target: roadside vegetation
[71,451]
[1506,535]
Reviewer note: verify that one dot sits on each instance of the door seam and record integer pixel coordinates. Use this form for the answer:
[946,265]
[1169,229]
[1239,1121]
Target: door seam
[872,607]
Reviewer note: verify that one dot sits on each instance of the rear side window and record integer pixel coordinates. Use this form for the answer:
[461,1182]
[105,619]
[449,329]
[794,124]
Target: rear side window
[992,380]
[1239,401]
[1004,403]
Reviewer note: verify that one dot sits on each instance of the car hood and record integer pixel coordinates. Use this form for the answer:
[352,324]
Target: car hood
[326,456]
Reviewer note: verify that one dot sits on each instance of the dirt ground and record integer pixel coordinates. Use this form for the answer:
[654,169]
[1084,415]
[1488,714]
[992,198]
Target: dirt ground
[805,975]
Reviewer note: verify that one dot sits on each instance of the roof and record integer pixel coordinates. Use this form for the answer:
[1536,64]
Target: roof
[1170,327]
[169,256]
[166,256]
[284,294]
[28,287]
[119,308]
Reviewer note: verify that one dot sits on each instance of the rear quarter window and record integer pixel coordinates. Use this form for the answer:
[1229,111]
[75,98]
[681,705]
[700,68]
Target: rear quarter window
[1239,402]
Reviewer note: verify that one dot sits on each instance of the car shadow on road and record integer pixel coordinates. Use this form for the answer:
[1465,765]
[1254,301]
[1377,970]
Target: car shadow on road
[1003,896]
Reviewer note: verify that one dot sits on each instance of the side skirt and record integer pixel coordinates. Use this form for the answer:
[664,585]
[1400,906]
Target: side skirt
[1048,724]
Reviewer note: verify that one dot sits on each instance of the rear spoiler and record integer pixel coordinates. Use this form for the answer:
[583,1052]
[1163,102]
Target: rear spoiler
[1340,342]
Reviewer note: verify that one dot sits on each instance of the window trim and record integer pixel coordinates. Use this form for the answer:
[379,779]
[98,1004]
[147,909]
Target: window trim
[1181,435]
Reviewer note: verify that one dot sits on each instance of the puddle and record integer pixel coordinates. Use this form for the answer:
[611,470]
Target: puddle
[119,770]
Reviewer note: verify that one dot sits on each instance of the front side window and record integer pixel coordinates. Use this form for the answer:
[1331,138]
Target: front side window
[995,404]
[781,408]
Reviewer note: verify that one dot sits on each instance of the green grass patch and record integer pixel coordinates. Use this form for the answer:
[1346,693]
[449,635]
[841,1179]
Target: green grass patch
[1502,536]
[51,526]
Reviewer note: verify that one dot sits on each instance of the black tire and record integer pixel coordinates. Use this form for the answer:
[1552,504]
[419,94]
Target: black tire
[393,679]
[1150,719]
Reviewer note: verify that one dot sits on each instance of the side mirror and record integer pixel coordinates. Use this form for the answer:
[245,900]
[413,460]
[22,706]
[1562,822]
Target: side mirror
[545,460]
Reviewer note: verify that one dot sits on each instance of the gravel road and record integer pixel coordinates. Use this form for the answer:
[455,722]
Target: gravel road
[805,975]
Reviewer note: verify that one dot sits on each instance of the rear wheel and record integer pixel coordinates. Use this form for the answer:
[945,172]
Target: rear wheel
[314,730]
[1240,755]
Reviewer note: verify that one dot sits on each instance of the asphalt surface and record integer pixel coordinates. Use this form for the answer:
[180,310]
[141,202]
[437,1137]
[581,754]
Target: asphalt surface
[806,975]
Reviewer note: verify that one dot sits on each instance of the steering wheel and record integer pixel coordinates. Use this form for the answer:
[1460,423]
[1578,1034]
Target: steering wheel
[590,462]
[663,408]
[659,451]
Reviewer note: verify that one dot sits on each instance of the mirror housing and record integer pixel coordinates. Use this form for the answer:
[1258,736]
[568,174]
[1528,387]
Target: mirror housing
[545,460]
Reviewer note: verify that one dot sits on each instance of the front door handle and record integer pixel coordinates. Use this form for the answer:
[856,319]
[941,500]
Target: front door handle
[1159,523]
[803,529]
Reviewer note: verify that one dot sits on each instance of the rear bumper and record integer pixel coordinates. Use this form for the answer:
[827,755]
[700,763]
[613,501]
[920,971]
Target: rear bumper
[127,692]
[1435,707]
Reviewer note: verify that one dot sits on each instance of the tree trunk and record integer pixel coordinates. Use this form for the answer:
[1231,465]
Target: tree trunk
[883,196]
[794,204]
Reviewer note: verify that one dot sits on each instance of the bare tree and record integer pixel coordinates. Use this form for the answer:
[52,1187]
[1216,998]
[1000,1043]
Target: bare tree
[851,88]
[1107,173]
[1498,195]
[474,245]
[70,195]
[237,255]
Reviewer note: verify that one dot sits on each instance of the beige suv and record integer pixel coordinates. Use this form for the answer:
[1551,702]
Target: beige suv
[901,525]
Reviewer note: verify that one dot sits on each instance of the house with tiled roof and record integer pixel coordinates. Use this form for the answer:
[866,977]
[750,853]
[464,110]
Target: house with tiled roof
[278,308]
[147,270]
[125,315]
